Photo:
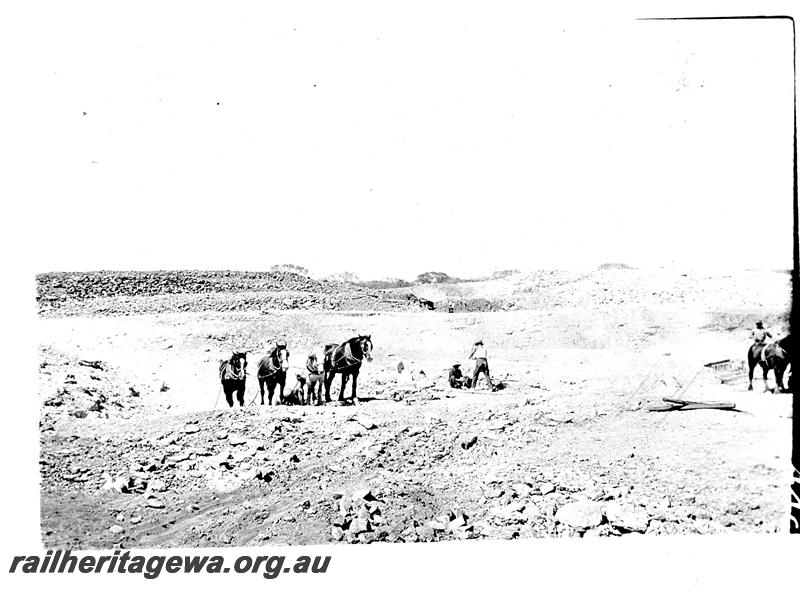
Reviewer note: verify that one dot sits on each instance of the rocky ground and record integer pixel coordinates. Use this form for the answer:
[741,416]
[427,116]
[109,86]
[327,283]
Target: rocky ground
[138,448]
[134,293]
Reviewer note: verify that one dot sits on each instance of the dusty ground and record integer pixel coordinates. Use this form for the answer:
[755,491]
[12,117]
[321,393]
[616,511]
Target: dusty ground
[139,449]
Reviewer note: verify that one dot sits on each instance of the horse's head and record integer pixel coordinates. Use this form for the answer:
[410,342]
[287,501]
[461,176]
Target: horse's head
[238,362]
[281,357]
[365,343]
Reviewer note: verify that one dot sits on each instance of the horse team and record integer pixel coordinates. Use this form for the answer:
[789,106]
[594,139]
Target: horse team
[345,359]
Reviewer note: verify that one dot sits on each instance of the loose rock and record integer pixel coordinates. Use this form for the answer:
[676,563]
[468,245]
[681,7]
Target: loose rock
[546,488]
[581,515]
[626,517]
[155,503]
[157,485]
[466,441]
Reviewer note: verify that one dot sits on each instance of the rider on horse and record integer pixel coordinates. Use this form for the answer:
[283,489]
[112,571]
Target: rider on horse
[760,335]
[770,354]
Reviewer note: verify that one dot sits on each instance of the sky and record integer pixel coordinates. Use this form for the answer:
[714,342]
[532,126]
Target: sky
[388,140]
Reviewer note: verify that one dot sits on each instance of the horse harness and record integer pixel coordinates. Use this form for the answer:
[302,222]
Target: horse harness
[347,356]
[228,372]
[272,365]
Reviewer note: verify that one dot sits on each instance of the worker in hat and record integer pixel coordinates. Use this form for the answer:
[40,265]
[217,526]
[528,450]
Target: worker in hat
[760,335]
[316,379]
[457,379]
[481,364]
[297,396]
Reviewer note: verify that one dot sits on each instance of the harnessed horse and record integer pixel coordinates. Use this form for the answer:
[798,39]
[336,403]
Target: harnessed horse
[232,375]
[774,356]
[272,371]
[346,359]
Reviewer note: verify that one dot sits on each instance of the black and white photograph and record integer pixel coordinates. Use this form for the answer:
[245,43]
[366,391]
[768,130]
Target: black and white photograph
[335,274]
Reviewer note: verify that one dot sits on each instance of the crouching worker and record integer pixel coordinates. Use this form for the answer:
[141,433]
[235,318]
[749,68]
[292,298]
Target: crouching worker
[298,393]
[458,380]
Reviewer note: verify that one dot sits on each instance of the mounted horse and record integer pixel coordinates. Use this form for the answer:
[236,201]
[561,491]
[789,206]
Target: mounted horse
[773,356]
[272,371]
[232,375]
[346,359]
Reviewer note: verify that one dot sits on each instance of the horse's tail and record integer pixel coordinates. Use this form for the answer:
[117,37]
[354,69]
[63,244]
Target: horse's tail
[754,354]
[262,365]
[221,386]
[327,360]
[223,367]
[785,344]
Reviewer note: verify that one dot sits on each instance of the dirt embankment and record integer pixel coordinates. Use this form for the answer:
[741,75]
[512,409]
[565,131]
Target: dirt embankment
[131,293]
[744,294]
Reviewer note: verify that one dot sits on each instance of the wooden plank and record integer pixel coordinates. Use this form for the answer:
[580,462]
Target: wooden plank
[734,378]
[664,408]
[683,405]
[691,406]
[677,401]
[717,363]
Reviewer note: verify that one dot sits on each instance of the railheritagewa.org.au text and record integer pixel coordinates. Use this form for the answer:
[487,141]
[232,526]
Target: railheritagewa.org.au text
[151,567]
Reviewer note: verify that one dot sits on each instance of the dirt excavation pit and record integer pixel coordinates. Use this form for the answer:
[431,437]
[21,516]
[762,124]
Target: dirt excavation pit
[139,448]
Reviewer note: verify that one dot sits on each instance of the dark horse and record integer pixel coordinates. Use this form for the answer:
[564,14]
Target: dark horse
[272,371]
[346,359]
[774,356]
[232,374]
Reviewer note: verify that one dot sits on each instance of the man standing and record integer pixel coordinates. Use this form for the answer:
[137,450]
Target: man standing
[315,379]
[760,335]
[481,364]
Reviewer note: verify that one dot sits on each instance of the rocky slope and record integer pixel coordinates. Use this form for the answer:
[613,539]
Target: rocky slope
[426,467]
[131,293]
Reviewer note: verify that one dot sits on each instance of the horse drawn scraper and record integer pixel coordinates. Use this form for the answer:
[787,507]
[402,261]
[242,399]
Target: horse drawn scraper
[728,371]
